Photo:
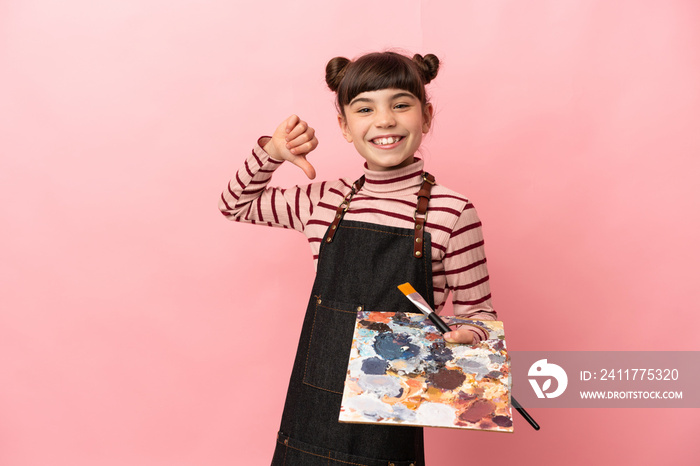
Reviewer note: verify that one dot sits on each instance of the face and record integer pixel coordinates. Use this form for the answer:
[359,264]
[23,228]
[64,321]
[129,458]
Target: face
[386,127]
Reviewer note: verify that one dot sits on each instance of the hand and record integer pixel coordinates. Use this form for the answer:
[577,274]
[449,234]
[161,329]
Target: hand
[460,335]
[291,141]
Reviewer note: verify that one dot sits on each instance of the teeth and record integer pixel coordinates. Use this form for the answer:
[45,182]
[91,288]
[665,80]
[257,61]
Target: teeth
[386,141]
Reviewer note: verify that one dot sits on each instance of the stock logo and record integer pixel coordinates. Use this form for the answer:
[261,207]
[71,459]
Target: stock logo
[542,369]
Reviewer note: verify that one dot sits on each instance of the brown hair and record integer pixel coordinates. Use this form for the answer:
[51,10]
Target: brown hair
[377,71]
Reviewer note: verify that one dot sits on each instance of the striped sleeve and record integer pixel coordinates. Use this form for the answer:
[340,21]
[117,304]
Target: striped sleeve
[465,270]
[249,199]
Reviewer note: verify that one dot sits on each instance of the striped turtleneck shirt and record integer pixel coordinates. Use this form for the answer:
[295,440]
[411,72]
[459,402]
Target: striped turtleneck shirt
[387,198]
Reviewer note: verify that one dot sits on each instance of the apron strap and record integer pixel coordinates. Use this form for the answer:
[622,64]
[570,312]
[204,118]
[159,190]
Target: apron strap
[420,216]
[343,207]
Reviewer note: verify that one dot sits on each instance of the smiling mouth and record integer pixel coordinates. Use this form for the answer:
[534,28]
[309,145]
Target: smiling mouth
[386,141]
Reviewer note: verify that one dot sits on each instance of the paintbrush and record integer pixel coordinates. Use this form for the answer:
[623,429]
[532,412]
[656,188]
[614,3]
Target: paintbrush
[425,308]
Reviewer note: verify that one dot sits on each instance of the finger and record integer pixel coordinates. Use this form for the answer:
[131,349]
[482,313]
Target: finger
[301,162]
[299,129]
[305,148]
[291,123]
[462,335]
[301,139]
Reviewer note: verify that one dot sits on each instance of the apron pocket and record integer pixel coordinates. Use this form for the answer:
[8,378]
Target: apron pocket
[329,345]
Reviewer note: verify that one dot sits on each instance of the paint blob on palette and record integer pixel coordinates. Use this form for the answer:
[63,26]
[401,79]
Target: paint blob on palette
[402,372]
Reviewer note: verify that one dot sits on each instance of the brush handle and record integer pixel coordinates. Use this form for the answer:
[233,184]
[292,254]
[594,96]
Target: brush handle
[439,323]
[524,413]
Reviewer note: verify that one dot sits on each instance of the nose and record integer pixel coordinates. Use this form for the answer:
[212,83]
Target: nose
[384,118]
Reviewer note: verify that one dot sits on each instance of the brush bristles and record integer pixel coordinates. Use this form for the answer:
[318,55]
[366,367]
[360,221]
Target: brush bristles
[406,289]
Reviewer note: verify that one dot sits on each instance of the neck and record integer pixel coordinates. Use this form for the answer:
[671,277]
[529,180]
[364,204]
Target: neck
[399,181]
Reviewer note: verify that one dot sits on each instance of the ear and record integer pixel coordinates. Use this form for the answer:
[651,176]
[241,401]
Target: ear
[342,122]
[427,117]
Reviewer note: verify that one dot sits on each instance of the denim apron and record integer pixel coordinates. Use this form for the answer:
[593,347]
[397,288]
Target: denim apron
[360,266]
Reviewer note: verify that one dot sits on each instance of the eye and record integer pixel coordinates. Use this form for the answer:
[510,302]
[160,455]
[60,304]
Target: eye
[363,110]
[401,106]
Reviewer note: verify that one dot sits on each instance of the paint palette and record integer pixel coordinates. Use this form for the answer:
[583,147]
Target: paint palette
[402,372]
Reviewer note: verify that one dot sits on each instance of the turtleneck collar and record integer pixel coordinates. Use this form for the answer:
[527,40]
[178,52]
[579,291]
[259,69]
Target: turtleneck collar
[405,180]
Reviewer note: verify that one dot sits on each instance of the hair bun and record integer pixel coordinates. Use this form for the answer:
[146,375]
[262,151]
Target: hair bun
[428,65]
[335,70]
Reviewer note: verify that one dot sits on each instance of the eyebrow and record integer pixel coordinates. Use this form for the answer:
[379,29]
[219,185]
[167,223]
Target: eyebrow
[393,97]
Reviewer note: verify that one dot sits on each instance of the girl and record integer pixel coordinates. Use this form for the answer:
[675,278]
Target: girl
[367,236]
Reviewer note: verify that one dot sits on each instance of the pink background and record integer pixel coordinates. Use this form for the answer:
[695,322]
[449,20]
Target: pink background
[126,334]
